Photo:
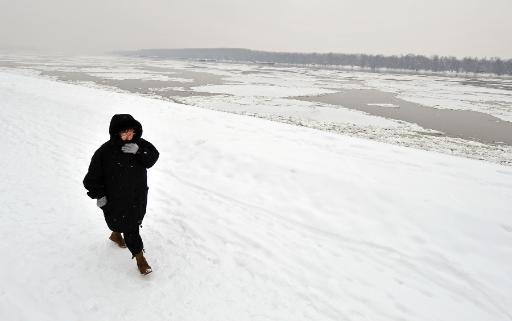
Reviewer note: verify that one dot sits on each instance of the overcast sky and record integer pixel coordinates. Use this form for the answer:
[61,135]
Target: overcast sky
[460,28]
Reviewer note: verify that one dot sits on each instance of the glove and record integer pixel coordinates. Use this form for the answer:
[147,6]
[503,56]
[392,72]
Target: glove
[131,148]
[101,201]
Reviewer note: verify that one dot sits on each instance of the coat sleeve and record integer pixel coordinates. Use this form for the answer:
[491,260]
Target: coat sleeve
[147,154]
[94,179]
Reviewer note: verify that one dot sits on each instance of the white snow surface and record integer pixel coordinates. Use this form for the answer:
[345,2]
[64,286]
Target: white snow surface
[247,219]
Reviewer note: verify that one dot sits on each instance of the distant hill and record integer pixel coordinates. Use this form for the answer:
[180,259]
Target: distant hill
[411,62]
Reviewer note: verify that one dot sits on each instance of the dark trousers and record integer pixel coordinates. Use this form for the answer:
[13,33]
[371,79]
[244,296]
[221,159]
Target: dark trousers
[133,241]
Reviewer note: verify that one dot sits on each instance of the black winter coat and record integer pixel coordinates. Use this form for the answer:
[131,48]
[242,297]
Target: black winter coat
[121,177]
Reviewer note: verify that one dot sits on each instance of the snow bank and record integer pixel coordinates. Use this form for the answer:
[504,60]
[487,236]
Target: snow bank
[247,220]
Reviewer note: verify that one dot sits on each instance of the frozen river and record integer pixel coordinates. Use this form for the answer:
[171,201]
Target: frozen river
[458,115]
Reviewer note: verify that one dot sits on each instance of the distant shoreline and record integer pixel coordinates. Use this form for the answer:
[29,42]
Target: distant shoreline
[415,64]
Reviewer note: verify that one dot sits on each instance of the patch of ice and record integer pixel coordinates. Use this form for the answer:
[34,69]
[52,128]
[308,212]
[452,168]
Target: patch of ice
[140,76]
[445,93]
[261,90]
[282,108]
[384,105]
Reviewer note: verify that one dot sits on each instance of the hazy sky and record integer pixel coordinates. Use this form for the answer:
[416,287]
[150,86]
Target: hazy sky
[480,28]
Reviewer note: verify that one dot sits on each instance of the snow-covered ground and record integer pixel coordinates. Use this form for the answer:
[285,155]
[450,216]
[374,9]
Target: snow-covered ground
[247,219]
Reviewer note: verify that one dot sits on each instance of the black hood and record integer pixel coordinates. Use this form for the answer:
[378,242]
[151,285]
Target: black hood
[121,122]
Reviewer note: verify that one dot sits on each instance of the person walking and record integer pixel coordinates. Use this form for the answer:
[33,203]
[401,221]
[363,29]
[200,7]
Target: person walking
[117,179]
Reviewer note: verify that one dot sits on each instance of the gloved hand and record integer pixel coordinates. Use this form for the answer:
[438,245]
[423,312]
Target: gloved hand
[131,148]
[101,201]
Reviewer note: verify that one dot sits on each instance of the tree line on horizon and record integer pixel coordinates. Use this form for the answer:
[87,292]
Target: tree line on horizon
[411,62]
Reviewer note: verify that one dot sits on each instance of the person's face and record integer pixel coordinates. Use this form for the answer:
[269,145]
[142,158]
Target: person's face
[127,135]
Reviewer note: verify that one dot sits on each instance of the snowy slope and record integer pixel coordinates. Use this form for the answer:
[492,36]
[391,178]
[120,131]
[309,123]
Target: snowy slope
[247,220]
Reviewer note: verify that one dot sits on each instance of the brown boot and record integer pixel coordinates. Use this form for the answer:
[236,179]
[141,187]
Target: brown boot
[117,238]
[142,264]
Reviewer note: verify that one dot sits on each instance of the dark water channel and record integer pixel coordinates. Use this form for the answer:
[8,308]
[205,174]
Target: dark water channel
[464,124]
[143,86]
